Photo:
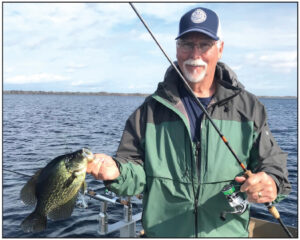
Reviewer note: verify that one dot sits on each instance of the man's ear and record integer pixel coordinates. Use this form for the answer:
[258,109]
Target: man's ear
[220,49]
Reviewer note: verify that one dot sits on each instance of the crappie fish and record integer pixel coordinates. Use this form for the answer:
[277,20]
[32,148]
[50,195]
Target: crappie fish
[54,189]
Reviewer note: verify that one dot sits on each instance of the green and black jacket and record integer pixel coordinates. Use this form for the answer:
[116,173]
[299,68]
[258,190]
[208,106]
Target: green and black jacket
[182,181]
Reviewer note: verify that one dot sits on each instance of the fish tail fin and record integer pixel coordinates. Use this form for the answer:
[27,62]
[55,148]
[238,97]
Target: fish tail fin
[35,222]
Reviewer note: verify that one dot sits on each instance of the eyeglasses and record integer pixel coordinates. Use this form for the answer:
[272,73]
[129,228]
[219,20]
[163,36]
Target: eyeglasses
[187,47]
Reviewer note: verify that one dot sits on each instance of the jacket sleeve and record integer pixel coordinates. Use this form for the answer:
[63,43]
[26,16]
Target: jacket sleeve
[267,156]
[130,157]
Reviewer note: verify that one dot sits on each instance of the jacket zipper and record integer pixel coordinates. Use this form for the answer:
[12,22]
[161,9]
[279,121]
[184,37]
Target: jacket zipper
[198,146]
[198,188]
[198,166]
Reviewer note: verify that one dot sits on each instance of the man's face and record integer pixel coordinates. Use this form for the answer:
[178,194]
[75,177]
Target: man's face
[197,56]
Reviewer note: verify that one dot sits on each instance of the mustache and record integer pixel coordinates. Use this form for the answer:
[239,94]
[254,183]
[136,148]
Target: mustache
[195,62]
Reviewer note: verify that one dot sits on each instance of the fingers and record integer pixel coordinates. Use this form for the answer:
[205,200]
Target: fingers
[93,167]
[103,167]
[260,188]
[251,183]
[240,179]
[109,170]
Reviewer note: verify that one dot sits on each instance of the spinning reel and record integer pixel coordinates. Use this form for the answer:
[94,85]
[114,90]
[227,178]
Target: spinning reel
[238,204]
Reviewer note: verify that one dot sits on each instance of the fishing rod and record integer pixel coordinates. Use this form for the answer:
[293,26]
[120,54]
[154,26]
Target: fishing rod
[17,172]
[247,173]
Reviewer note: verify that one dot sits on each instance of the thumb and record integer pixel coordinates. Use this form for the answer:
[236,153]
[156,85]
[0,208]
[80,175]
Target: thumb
[240,179]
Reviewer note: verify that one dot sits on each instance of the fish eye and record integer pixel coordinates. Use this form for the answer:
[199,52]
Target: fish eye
[67,160]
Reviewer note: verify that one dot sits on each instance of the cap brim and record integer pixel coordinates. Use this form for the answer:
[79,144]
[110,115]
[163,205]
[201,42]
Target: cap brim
[199,30]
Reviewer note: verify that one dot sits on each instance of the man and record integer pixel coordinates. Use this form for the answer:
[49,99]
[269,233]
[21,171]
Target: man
[170,152]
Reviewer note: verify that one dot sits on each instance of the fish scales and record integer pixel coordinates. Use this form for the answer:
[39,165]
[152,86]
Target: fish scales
[55,189]
[53,196]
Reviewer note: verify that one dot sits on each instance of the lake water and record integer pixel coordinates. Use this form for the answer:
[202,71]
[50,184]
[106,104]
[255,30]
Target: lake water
[38,128]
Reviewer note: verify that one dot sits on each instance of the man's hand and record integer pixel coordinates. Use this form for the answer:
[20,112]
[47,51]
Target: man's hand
[260,187]
[103,167]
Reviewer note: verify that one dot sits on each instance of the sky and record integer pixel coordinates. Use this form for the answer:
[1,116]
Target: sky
[94,47]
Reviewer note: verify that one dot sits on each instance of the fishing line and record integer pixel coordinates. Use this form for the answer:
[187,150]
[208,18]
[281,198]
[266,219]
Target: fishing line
[17,172]
[247,173]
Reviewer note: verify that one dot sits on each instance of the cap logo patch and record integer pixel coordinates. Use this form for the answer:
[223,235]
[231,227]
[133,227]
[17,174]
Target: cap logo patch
[198,16]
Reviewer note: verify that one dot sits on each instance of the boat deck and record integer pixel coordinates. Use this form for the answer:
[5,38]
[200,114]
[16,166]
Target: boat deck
[259,228]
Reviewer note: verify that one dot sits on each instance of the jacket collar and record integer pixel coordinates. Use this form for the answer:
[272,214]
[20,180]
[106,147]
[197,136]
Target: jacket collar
[228,85]
[168,89]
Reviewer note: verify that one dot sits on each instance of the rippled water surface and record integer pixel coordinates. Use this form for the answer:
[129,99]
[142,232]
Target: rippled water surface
[38,128]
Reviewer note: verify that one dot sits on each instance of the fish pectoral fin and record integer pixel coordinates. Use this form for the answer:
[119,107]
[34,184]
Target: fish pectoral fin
[69,181]
[83,188]
[27,194]
[63,211]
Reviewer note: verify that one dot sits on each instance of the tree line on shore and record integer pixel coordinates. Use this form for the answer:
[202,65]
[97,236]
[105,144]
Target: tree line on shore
[104,94]
[73,93]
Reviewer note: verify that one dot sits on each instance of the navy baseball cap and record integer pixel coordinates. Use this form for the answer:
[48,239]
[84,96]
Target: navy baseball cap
[201,20]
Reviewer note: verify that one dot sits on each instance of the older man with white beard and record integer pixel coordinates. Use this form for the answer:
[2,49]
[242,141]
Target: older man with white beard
[170,152]
[197,56]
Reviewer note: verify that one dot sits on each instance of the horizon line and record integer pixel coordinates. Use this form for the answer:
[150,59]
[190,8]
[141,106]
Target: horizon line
[102,93]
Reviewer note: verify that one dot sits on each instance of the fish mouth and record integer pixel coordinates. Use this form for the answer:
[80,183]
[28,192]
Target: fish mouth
[86,153]
[79,167]
[80,171]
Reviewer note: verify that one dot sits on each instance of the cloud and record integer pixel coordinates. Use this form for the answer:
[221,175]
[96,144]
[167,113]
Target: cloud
[62,13]
[279,61]
[35,78]
[168,12]
[279,56]
[76,65]
[288,66]
[110,15]
[37,42]
[141,87]
[54,22]
[145,37]
[107,42]
[266,85]
[258,38]
[84,83]
[161,37]
[72,67]
[8,69]
[236,67]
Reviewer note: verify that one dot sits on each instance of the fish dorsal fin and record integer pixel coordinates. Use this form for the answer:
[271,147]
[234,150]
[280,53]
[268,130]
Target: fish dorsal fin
[27,194]
[63,211]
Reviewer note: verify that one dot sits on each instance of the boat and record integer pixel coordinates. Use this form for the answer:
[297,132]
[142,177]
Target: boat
[259,228]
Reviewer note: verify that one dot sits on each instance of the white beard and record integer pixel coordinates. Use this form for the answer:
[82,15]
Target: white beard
[194,76]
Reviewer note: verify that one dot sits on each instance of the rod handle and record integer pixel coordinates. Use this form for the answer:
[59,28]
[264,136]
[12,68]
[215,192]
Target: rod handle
[273,210]
[248,173]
